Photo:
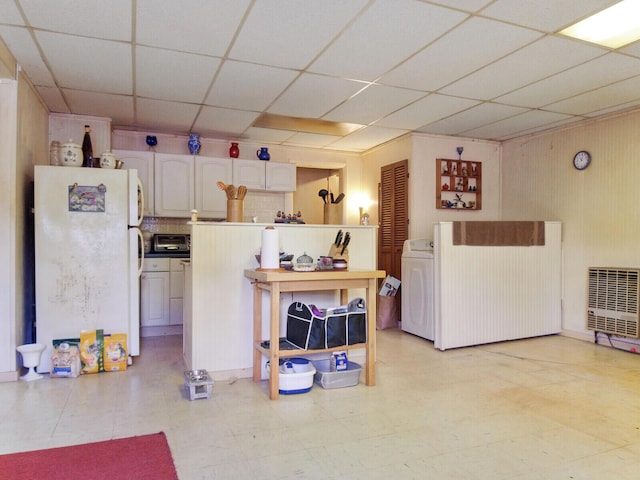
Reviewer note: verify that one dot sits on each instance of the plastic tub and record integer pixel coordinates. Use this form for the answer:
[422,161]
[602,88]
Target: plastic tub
[295,375]
[344,378]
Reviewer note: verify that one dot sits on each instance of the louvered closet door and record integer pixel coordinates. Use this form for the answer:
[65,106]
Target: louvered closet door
[394,217]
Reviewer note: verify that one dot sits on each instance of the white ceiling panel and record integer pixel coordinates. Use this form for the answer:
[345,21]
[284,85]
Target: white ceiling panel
[397,65]
[291,33]
[19,41]
[386,34]
[211,24]
[223,120]
[596,73]
[235,86]
[311,96]
[165,116]
[10,13]
[617,94]
[366,138]
[373,103]
[545,15]
[176,84]
[88,18]
[476,43]
[117,107]
[473,117]
[425,111]
[78,62]
[514,125]
[525,66]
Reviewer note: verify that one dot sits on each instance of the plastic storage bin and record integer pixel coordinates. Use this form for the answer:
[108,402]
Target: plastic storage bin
[344,378]
[295,375]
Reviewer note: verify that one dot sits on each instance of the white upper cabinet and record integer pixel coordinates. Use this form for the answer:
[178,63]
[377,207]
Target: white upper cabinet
[174,185]
[143,163]
[264,175]
[210,201]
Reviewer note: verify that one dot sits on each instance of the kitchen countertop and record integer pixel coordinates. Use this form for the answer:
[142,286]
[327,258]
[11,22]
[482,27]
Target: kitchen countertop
[167,255]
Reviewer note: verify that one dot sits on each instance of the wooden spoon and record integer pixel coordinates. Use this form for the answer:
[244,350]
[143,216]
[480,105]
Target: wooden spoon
[231,192]
[221,186]
[242,192]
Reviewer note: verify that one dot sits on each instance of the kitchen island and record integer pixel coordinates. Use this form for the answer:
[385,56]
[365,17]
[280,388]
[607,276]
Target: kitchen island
[218,298]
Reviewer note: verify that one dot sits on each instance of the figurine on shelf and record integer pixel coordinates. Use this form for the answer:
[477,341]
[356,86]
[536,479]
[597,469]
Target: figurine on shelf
[464,171]
[474,170]
[454,169]
[445,170]
[445,186]
[460,185]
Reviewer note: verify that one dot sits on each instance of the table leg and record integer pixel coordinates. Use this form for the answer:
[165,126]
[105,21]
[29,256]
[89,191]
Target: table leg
[274,337]
[257,332]
[370,370]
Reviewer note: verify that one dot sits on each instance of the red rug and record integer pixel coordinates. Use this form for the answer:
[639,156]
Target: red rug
[143,457]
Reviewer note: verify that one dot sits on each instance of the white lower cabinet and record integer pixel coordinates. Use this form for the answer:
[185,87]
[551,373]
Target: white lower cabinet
[154,292]
[161,295]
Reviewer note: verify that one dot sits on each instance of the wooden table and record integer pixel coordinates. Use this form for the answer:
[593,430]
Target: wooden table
[278,281]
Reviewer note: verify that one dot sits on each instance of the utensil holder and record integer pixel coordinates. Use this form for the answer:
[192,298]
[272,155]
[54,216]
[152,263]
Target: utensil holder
[235,210]
[332,214]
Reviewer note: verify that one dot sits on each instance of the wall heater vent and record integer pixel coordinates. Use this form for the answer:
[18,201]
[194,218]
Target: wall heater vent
[613,301]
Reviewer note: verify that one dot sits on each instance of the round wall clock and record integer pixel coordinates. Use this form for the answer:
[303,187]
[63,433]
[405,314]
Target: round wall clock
[582,160]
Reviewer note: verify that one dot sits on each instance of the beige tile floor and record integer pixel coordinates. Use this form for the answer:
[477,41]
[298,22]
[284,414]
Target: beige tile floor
[539,409]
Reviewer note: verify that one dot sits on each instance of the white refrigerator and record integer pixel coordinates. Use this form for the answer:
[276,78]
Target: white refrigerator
[87,241]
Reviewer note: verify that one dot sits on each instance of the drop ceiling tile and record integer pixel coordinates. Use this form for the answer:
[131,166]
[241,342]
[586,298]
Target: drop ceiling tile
[210,25]
[466,5]
[373,103]
[117,107]
[268,135]
[235,86]
[548,126]
[528,65]
[603,98]
[185,77]
[10,13]
[107,20]
[86,69]
[545,15]
[632,49]
[165,116]
[311,96]
[290,33]
[53,98]
[311,139]
[19,41]
[616,108]
[468,47]
[513,125]
[425,111]
[474,117]
[385,35]
[596,73]
[223,121]
[366,138]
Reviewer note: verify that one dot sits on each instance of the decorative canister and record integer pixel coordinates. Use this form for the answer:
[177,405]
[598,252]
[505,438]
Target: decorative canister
[263,153]
[234,151]
[71,154]
[54,153]
[107,160]
[194,143]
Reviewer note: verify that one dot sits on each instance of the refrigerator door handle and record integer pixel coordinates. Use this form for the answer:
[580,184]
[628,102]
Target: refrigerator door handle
[141,205]
[141,246]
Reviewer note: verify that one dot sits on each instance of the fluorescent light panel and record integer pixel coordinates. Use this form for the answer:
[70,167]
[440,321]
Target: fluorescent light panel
[308,125]
[613,27]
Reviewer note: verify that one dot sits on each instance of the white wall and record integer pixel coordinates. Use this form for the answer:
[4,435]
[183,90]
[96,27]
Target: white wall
[598,207]
[422,152]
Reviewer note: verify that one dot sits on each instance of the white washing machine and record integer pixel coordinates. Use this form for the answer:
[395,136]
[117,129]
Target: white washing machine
[418,288]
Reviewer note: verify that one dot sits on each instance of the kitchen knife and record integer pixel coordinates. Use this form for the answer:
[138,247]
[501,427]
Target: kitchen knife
[338,238]
[347,239]
[332,199]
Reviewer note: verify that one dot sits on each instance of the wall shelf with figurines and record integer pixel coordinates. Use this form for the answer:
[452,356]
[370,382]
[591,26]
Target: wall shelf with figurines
[458,183]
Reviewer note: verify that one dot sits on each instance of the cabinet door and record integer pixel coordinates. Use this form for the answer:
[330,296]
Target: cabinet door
[280,177]
[210,201]
[174,185]
[154,299]
[250,173]
[143,163]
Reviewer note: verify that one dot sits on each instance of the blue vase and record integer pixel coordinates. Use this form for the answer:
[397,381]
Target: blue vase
[263,153]
[194,143]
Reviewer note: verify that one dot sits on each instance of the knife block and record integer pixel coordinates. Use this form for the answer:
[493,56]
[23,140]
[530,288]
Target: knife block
[334,252]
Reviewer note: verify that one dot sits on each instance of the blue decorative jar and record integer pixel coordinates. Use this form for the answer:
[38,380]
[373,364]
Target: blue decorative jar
[194,143]
[263,153]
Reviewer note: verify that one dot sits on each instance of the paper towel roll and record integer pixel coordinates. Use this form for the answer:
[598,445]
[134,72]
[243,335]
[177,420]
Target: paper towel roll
[270,253]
